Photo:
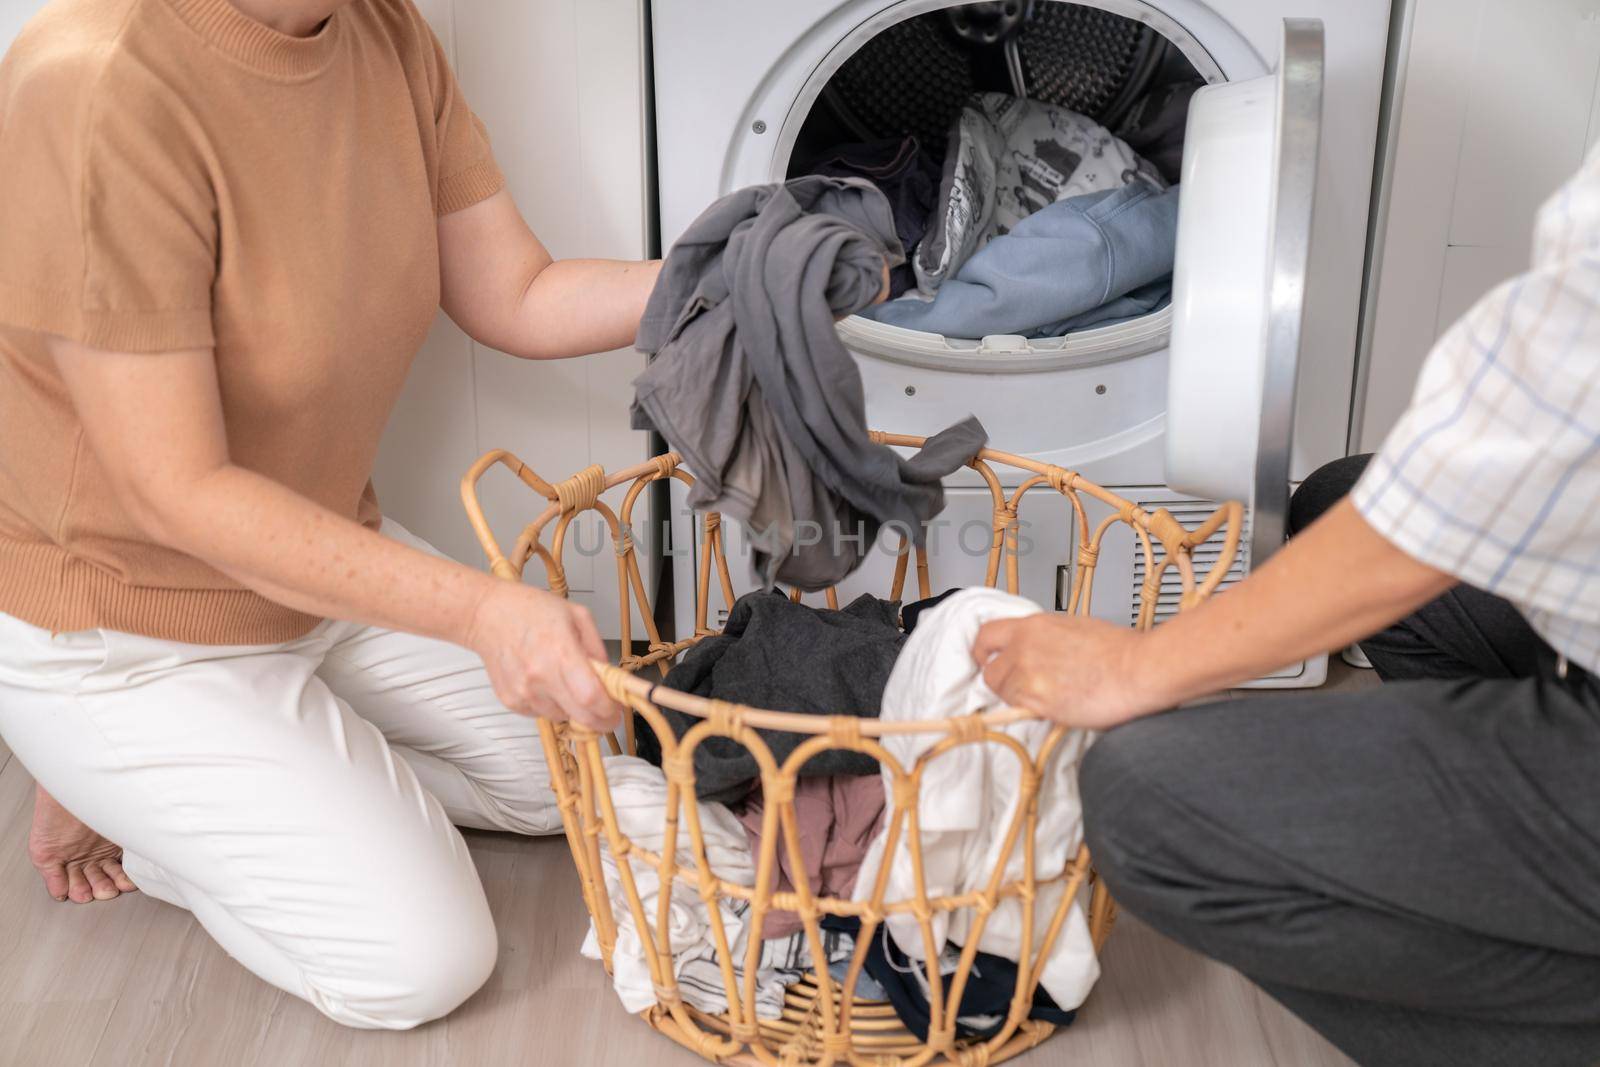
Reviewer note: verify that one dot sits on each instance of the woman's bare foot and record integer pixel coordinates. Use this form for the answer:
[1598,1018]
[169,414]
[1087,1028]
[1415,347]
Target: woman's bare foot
[77,864]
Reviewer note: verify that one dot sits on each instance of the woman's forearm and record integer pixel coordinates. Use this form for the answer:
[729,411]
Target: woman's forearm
[295,552]
[576,306]
[501,285]
[1335,583]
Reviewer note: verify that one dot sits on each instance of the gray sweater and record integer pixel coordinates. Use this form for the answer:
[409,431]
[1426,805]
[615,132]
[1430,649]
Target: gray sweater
[750,384]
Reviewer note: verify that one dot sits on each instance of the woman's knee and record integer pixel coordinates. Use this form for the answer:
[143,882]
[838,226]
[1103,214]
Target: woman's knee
[414,969]
[1325,487]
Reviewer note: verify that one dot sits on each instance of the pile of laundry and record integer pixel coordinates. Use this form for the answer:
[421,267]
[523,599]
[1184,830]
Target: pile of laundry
[750,384]
[786,656]
[1039,221]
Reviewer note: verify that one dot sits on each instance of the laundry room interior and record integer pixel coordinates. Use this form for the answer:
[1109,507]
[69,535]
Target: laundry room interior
[1058,313]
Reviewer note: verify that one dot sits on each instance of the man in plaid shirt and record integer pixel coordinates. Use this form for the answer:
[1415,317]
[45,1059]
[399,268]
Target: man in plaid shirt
[1413,869]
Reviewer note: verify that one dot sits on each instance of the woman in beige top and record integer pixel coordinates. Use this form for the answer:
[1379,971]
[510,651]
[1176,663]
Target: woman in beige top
[224,228]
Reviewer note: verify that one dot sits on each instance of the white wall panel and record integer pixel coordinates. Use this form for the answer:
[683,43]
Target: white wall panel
[1531,84]
[1496,107]
[13,13]
[1469,272]
[559,84]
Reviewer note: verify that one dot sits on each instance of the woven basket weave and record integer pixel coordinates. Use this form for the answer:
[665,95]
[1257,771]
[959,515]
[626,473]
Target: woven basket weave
[822,1022]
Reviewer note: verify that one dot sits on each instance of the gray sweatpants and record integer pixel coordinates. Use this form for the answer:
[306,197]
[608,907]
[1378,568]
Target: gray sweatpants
[1413,869]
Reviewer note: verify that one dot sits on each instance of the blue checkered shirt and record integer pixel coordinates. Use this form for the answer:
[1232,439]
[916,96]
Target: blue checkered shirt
[1493,473]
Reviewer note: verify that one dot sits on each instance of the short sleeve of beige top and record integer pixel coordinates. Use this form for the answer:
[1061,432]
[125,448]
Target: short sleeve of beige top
[175,175]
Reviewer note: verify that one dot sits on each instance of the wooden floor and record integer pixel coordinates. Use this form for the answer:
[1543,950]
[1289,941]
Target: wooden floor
[132,981]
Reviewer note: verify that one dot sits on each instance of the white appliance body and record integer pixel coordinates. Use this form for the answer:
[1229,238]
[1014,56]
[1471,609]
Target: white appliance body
[734,82]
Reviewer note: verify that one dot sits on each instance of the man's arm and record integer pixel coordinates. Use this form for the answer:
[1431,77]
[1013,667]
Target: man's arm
[502,287]
[155,423]
[1333,584]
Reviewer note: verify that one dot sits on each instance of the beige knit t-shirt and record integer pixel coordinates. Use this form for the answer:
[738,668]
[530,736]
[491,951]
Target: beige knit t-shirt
[176,175]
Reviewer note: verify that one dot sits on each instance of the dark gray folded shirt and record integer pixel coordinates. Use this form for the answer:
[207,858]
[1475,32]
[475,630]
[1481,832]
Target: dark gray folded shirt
[750,384]
[782,656]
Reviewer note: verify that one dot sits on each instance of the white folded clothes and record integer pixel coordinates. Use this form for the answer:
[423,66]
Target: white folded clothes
[968,798]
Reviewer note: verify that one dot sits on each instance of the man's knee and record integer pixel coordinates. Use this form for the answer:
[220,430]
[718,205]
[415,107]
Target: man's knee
[1128,783]
[422,968]
[1326,486]
[1159,797]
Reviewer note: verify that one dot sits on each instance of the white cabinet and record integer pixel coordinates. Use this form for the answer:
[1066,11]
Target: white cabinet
[1493,108]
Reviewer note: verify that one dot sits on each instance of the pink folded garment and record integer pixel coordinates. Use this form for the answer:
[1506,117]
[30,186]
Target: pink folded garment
[836,819]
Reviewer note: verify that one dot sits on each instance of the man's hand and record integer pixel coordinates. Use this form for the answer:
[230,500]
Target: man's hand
[1336,582]
[1080,671]
[538,649]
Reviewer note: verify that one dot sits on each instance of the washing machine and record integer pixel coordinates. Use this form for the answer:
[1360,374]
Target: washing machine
[1235,389]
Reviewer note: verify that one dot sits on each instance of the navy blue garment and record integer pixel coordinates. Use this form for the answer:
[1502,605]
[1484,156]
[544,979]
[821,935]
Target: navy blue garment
[984,1002]
[912,612]
[906,174]
[1082,262]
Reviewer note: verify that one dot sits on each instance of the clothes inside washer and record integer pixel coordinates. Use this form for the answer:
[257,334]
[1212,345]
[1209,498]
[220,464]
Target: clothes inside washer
[1079,263]
[903,982]
[782,656]
[1009,157]
[835,819]
[1154,126]
[751,385]
[906,173]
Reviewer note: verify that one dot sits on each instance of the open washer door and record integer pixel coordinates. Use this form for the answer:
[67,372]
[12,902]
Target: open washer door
[1244,237]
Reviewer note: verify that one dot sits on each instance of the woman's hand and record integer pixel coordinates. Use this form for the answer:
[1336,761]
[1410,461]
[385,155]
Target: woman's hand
[538,649]
[1073,669]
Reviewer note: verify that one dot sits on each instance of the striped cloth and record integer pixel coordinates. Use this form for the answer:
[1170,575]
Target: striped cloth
[1493,473]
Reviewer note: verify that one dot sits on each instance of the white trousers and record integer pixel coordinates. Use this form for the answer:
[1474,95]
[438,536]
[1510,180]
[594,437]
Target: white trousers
[297,798]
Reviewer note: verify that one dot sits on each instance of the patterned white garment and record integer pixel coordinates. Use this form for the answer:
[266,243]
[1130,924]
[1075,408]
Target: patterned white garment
[639,797]
[1493,473]
[1008,158]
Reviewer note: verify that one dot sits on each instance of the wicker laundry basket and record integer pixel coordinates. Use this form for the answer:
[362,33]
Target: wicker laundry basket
[822,1021]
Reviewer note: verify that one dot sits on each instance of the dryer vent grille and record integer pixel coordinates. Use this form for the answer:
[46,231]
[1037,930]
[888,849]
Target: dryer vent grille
[1191,513]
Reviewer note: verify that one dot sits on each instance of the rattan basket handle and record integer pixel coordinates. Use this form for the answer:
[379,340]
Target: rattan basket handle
[575,494]
[621,684]
[498,564]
